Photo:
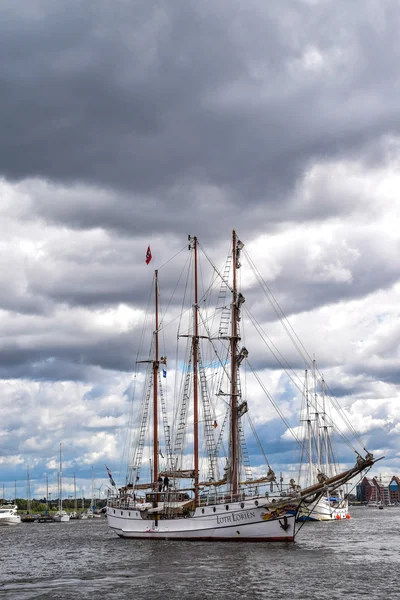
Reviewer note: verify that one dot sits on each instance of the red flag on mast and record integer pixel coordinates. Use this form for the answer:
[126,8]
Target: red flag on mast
[148,255]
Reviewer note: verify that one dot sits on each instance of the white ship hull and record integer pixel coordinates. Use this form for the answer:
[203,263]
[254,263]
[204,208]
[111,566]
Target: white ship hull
[325,509]
[239,522]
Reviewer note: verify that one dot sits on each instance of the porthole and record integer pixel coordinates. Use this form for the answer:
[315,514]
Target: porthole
[256,502]
[129,513]
[227,507]
[242,505]
[214,509]
[114,512]
[202,510]
[121,513]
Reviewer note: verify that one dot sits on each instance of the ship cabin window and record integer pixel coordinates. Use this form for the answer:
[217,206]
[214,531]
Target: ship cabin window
[214,509]
[155,497]
[242,505]
[129,514]
[202,510]
[227,507]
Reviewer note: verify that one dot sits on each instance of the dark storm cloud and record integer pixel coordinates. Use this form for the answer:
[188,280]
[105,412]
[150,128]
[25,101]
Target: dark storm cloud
[66,357]
[149,121]
[158,98]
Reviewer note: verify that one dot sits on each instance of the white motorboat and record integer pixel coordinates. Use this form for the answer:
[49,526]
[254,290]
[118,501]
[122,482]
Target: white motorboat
[9,514]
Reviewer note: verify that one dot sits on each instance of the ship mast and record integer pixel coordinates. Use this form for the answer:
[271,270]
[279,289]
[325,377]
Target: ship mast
[155,388]
[234,368]
[195,377]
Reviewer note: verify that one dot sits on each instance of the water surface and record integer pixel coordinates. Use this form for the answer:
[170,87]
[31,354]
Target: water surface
[358,558]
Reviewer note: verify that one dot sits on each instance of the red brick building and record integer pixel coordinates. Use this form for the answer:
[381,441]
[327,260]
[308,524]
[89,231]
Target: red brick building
[394,490]
[379,490]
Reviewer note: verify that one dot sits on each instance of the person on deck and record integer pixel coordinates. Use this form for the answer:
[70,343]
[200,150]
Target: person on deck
[166,483]
[160,483]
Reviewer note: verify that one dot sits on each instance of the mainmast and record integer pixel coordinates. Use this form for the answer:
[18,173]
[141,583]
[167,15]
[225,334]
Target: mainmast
[234,368]
[155,385]
[195,376]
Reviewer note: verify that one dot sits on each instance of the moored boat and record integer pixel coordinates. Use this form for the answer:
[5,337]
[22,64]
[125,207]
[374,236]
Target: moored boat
[61,516]
[9,514]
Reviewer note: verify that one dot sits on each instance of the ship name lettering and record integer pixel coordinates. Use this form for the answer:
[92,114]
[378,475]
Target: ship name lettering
[224,519]
[243,516]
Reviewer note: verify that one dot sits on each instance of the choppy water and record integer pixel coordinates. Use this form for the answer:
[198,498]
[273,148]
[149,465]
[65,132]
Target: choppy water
[83,559]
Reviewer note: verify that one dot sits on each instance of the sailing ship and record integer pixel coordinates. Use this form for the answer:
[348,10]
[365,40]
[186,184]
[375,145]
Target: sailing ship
[209,491]
[318,447]
[61,516]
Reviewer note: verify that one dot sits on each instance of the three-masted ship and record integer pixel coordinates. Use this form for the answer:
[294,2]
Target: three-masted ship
[206,492]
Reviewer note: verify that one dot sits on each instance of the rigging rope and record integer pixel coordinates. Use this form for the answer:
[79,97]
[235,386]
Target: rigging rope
[297,343]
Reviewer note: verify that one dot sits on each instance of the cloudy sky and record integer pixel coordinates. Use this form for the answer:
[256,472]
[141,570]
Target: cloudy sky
[135,122]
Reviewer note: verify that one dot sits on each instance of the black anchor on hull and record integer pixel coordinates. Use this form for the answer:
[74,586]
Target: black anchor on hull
[285,525]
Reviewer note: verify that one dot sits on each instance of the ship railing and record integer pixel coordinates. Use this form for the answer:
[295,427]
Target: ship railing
[125,503]
[253,493]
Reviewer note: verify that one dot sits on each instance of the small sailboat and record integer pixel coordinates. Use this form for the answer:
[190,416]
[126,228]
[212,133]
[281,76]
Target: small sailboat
[61,516]
[28,517]
[196,483]
[75,514]
[82,513]
[91,512]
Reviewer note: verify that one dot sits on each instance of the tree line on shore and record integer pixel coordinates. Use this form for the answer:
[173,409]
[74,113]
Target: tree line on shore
[40,505]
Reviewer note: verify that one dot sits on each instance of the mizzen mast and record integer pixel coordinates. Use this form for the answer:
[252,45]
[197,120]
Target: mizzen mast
[195,343]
